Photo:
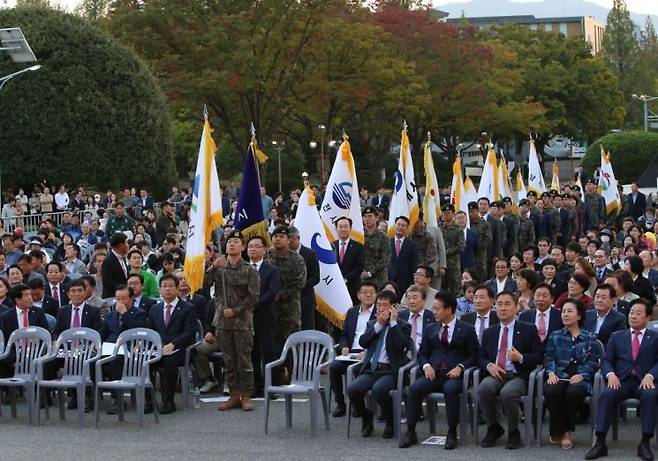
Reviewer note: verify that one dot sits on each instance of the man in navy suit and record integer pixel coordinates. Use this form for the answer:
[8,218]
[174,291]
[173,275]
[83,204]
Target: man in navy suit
[630,366]
[620,305]
[544,316]
[386,342]
[56,288]
[603,320]
[448,347]
[39,298]
[199,302]
[404,256]
[601,269]
[650,274]
[77,313]
[508,353]
[381,200]
[356,321]
[637,202]
[484,315]
[350,255]
[175,320]
[467,256]
[415,313]
[502,280]
[136,282]
[114,271]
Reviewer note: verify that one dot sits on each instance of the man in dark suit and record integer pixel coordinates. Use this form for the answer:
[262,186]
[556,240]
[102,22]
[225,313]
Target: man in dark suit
[356,321]
[603,320]
[483,316]
[448,347]
[630,366]
[349,254]
[56,288]
[136,282]
[404,256]
[386,342]
[508,353]
[502,280]
[601,269]
[544,316]
[619,305]
[381,200]
[467,256]
[39,299]
[650,274]
[641,286]
[175,321]
[199,302]
[309,319]
[415,313]
[114,271]
[77,313]
[637,202]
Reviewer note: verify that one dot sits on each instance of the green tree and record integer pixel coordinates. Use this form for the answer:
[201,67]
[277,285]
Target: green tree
[93,114]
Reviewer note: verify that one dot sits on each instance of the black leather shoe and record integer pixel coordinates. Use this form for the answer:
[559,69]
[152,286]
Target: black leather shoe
[148,409]
[389,432]
[451,441]
[644,451]
[167,408]
[410,438]
[514,440]
[339,411]
[493,433]
[597,451]
[366,424]
[356,413]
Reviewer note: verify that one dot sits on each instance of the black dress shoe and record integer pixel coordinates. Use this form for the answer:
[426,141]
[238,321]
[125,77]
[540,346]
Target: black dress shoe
[410,438]
[257,394]
[339,411]
[148,409]
[167,408]
[451,441]
[597,451]
[356,413]
[514,440]
[493,433]
[389,432]
[366,424]
[644,451]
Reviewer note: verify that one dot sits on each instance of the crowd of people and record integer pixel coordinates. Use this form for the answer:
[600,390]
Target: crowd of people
[552,281]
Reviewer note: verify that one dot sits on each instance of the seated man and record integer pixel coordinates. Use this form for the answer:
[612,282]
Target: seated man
[386,341]
[415,312]
[356,321]
[508,353]
[39,298]
[544,316]
[136,282]
[630,365]
[175,320]
[448,347]
[603,320]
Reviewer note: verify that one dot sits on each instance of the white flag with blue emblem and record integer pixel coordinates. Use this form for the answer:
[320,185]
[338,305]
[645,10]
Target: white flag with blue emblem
[341,198]
[333,299]
[405,195]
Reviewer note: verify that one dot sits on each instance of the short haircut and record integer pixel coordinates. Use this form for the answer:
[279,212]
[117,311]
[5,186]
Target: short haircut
[57,264]
[139,276]
[418,289]
[169,277]
[35,284]
[499,259]
[258,237]
[607,286]
[581,279]
[635,264]
[484,198]
[76,283]
[544,239]
[573,246]
[17,291]
[118,239]
[648,307]
[404,218]
[580,308]
[122,287]
[37,254]
[472,284]
[365,283]
[89,279]
[488,289]
[387,295]
[428,270]
[596,243]
[447,299]
[25,257]
[506,293]
[549,262]
[343,218]
[546,286]
[170,239]
[533,248]
[135,251]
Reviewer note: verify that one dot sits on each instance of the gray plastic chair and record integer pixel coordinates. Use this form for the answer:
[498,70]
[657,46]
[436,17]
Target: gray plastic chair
[52,321]
[29,344]
[80,348]
[308,348]
[141,348]
[184,371]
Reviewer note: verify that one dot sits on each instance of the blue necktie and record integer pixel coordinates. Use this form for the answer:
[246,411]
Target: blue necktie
[374,361]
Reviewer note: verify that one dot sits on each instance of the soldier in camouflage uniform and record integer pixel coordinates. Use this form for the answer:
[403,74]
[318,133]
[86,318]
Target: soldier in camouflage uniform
[526,234]
[427,254]
[377,250]
[511,221]
[550,218]
[595,212]
[479,225]
[237,285]
[292,269]
[454,242]
[496,211]
[569,219]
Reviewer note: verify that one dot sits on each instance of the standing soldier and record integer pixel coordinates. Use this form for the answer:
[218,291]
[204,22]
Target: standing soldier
[427,255]
[236,285]
[377,250]
[511,222]
[594,207]
[292,270]
[479,225]
[454,241]
[568,219]
[526,226]
[550,218]
[496,211]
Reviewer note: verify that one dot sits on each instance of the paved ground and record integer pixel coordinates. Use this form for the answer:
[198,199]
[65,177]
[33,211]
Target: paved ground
[206,434]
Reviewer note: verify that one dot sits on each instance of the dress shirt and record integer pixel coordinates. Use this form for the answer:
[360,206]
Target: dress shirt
[361,324]
[400,239]
[19,313]
[164,309]
[451,329]
[419,326]
[599,321]
[383,357]
[137,300]
[509,365]
[478,320]
[256,264]
[122,262]
[81,307]
[500,286]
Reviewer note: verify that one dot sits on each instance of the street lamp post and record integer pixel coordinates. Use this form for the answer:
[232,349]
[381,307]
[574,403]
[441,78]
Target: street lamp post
[279,145]
[645,99]
[6,78]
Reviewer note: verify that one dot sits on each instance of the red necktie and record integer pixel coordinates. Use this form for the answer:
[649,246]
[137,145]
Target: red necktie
[167,316]
[341,252]
[26,319]
[635,344]
[502,350]
[76,318]
[542,326]
[55,292]
[398,244]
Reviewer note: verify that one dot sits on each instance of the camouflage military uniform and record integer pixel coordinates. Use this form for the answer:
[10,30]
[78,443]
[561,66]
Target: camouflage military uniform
[595,212]
[236,286]
[526,232]
[569,225]
[552,217]
[502,229]
[453,237]
[377,257]
[511,244]
[427,254]
[485,240]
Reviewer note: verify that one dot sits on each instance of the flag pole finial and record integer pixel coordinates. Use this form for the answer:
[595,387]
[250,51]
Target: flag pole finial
[252,130]
[305,178]
[429,136]
[404,124]
[205,112]
[345,137]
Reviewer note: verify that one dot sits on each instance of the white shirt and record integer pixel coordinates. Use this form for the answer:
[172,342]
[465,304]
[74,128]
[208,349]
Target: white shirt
[164,308]
[122,262]
[419,326]
[401,240]
[599,321]
[500,286]
[19,314]
[383,357]
[640,337]
[81,307]
[256,264]
[62,199]
[510,338]
[137,300]
[451,329]
[361,324]
[478,320]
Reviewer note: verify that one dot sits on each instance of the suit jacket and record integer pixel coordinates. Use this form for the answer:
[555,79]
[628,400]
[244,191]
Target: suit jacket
[112,275]
[312,277]
[349,327]
[49,306]
[471,317]
[200,304]
[380,202]
[115,324]
[510,285]
[270,285]
[636,209]
[146,304]
[401,268]
[653,277]
[619,359]
[461,350]
[182,325]
[554,320]
[63,296]
[525,340]
[398,342]
[497,245]
[90,317]
[614,321]
[428,316]
[606,272]
[558,287]
[642,287]
[9,320]
[467,256]
[622,307]
[352,264]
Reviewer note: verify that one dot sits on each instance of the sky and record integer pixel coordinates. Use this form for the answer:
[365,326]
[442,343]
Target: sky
[636,6]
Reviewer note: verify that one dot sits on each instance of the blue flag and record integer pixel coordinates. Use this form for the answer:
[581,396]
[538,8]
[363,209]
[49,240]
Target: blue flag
[249,212]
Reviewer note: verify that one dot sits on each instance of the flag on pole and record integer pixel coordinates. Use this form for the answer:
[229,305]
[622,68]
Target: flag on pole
[249,216]
[342,196]
[206,212]
[489,180]
[470,194]
[579,183]
[431,201]
[608,185]
[457,190]
[333,299]
[535,177]
[521,192]
[504,180]
[555,182]
[405,196]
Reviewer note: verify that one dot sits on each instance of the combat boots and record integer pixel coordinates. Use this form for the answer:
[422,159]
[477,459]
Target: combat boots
[232,403]
[247,404]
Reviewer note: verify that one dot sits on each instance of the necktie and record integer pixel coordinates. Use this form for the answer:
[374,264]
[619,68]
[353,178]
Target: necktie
[255,265]
[167,315]
[502,350]
[26,319]
[55,291]
[76,318]
[600,274]
[635,344]
[414,329]
[341,252]
[378,349]
[542,326]
[444,343]
[398,245]
[481,330]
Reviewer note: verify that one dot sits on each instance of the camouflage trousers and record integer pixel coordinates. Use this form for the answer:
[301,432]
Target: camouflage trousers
[453,280]
[236,346]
